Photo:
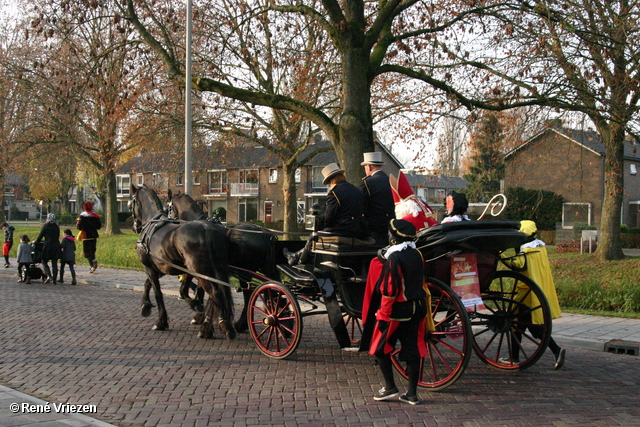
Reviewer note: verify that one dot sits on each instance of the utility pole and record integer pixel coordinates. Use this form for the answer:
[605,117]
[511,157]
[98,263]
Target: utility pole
[187,107]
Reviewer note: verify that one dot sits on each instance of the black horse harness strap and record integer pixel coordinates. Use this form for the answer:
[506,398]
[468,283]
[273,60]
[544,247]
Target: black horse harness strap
[192,273]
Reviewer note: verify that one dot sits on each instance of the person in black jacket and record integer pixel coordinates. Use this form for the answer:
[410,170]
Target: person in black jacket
[344,215]
[50,233]
[68,246]
[378,197]
[89,222]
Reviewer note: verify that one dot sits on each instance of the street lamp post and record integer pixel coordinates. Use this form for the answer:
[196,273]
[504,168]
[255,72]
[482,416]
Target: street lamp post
[187,106]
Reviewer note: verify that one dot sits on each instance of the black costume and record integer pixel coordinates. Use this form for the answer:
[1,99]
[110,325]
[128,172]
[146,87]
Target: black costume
[50,233]
[379,205]
[344,213]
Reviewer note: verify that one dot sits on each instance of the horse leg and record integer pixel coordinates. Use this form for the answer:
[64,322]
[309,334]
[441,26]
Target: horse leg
[145,310]
[206,327]
[199,317]
[223,309]
[163,320]
[185,286]
[241,325]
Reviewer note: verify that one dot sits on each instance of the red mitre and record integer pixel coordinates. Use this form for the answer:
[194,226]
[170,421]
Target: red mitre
[400,187]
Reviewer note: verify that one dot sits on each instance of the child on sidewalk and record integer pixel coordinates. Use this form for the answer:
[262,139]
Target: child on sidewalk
[24,258]
[68,246]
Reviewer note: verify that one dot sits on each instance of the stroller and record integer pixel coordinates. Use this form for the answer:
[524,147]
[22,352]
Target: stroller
[34,271]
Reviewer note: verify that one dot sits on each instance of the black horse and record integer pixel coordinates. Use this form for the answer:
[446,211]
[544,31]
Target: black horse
[251,248]
[166,247]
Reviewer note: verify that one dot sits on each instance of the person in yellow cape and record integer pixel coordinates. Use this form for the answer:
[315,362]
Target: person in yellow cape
[534,260]
[394,309]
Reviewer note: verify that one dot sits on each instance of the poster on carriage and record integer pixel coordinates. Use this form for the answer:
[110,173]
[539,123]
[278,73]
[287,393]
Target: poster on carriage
[465,282]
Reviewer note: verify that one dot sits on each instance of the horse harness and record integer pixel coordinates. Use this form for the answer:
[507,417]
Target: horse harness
[153,225]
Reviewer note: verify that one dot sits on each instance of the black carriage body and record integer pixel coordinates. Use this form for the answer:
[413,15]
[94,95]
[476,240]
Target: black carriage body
[486,239]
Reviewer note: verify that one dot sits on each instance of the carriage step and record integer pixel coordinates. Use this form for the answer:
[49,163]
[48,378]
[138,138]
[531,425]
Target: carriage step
[296,274]
[631,348]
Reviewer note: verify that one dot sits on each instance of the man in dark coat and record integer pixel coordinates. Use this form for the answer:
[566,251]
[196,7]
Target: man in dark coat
[378,197]
[344,215]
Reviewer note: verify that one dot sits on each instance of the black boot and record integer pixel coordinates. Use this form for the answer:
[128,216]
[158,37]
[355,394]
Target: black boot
[292,257]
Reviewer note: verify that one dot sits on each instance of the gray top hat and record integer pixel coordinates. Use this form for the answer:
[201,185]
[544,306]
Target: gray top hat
[330,171]
[374,158]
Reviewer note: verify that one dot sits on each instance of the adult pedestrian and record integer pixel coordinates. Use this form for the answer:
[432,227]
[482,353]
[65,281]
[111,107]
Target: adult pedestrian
[89,223]
[395,310]
[68,246]
[344,215]
[24,258]
[8,242]
[533,262]
[50,235]
[378,197]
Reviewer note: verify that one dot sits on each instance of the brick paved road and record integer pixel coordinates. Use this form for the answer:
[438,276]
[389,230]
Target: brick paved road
[89,345]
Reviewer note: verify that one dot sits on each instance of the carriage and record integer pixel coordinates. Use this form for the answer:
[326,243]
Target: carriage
[498,324]
[475,303]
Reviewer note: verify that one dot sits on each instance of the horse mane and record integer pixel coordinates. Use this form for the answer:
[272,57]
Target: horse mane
[151,195]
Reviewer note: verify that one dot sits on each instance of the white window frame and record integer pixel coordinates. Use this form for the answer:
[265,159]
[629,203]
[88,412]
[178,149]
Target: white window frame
[633,169]
[121,189]
[589,208]
[273,175]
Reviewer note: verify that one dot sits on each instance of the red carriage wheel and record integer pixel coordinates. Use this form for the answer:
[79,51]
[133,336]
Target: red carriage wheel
[354,327]
[275,320]
[513,332]
[448,344]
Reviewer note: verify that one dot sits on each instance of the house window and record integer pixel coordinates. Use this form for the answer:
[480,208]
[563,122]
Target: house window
[440,195]
[156,180]
[576,213]
[140,179]
[123,185]
[196,178]
[268,211]
[217,181]
[316,180]
[633,169]
[273,176]
[297,176]
[247,209]
[300,208]
[179,178]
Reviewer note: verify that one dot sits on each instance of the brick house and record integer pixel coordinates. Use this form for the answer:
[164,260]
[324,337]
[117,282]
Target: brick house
[571,163]
[246,181]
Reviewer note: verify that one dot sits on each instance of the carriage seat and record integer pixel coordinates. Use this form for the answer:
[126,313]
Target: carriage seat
[341,244]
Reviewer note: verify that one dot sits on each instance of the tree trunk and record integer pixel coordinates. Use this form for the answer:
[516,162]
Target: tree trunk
[356,123]
[111,225]
[609,243]
[290,202]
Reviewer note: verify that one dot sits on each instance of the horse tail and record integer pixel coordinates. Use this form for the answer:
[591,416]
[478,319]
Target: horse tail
[219,259]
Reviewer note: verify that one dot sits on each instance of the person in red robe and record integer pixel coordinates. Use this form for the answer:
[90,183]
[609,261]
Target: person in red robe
[410,207]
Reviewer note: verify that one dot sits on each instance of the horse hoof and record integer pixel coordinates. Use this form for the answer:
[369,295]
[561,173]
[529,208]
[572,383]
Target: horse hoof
[240,327]
[158,328]
[145,310]
[231,335]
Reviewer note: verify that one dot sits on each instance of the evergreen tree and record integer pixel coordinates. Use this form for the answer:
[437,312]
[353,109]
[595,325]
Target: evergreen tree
[487,160]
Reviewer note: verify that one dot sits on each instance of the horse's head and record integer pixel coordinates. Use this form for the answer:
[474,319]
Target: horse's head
[183,206]
[144,205]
